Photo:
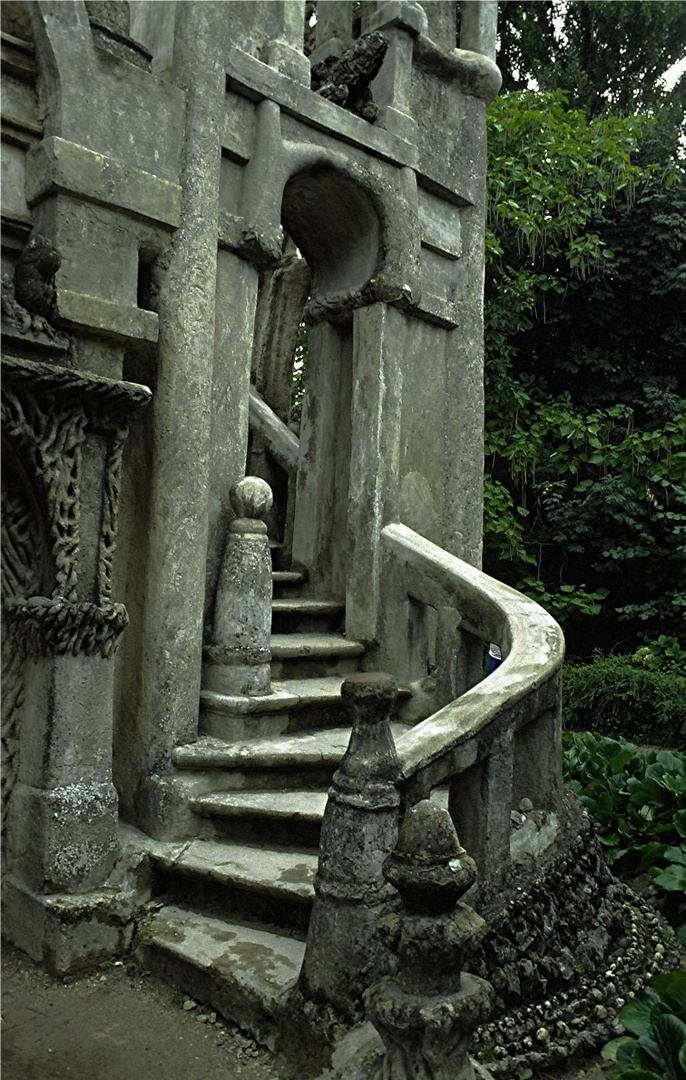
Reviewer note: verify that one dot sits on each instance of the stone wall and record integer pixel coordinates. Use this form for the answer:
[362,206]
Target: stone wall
[167,157]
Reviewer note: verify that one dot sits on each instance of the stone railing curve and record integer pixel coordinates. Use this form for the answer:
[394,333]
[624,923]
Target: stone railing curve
[499,742]
[283,446]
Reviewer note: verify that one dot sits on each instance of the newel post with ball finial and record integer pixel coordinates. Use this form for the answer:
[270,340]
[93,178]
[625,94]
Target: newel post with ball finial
[237,659]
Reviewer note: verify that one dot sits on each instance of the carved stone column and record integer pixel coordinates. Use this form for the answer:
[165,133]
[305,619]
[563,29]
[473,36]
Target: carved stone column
[344,954]
[65,433]
[426,1013]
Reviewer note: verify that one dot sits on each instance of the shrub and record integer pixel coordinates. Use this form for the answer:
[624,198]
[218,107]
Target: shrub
[625,697]
[637,800]
[656,1045]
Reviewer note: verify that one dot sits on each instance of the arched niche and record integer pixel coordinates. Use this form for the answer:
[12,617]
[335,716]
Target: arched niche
[336,224]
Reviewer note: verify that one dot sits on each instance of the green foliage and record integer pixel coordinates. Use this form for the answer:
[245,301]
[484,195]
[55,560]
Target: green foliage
[299,366]
[656,1046]
[609,57]
[625,697]
[637,800]
[586,415]
[661,654]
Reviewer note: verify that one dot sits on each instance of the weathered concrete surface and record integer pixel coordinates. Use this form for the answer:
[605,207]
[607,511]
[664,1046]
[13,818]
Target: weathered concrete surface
[120,1022]
[117,1023]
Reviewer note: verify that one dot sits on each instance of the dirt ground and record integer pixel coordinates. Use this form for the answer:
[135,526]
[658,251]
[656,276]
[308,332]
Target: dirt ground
[122,1023]
[117,1024]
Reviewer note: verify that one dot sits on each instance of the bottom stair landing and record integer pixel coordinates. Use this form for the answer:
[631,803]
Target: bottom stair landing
[245,973]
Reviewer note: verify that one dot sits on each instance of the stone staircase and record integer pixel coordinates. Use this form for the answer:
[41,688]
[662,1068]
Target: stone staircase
[234,902]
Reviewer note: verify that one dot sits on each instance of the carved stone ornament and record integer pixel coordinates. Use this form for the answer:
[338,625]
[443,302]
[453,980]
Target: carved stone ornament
[346,80]
[55,627]
[48,414]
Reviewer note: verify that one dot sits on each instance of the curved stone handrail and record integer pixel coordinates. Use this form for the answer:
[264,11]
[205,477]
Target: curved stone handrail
[519,701]
[282,442]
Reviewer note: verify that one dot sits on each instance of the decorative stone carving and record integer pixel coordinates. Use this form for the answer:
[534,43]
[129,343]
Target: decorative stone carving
[34,276]
[53,604]
[55,627]
[48,413]
[346,80]
[426,1013]
[238,657]
[344,953]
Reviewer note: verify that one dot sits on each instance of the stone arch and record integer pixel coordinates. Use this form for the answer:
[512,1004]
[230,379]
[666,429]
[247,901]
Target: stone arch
[336,216]
[336,224]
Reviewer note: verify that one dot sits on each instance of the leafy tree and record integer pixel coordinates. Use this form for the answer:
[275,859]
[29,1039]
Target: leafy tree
[609,57]
[586,423]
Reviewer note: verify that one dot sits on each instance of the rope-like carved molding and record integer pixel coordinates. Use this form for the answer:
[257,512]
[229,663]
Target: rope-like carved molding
[48,413]
[56,626]
[21,576]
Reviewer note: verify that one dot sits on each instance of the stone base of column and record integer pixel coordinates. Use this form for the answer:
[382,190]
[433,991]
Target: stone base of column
[290,61]
[64,839]
[161,806]
[67,933]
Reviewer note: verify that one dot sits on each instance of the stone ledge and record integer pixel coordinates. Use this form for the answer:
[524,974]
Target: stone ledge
[82,312]
[256,80]
[59,165]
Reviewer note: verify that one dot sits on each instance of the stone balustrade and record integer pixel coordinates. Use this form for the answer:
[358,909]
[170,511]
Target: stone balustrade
[427,1011]
[500,741]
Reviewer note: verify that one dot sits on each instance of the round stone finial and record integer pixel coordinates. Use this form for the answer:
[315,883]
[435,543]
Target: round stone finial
[429,868]
[428,833]
[251,497]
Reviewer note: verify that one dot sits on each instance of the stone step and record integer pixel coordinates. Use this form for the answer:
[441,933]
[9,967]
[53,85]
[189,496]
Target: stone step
[292,705]
[306,655]
[307,749]
[287,577]
[279,817]
[287,583]
[293,615]
[244,973]
[266,885]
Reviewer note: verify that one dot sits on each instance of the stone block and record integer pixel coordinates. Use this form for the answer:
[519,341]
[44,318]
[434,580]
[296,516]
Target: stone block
[77,311]
[67,933]
[58,164]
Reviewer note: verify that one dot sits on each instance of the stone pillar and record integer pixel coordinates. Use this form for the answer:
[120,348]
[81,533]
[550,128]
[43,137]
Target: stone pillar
[480,803]
[400,21]
[380,338]
[237,660]
[334,29]
[321,509]
[479,26]
[427,1012]
[65,433]
[286,50]
[171,662]
[344,954]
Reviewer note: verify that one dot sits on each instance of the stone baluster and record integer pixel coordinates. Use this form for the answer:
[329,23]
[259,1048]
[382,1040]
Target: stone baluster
[480,803]
[426,1013]
[344,954]
[237,660]
[400,21]
[286,49]
[334,29]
